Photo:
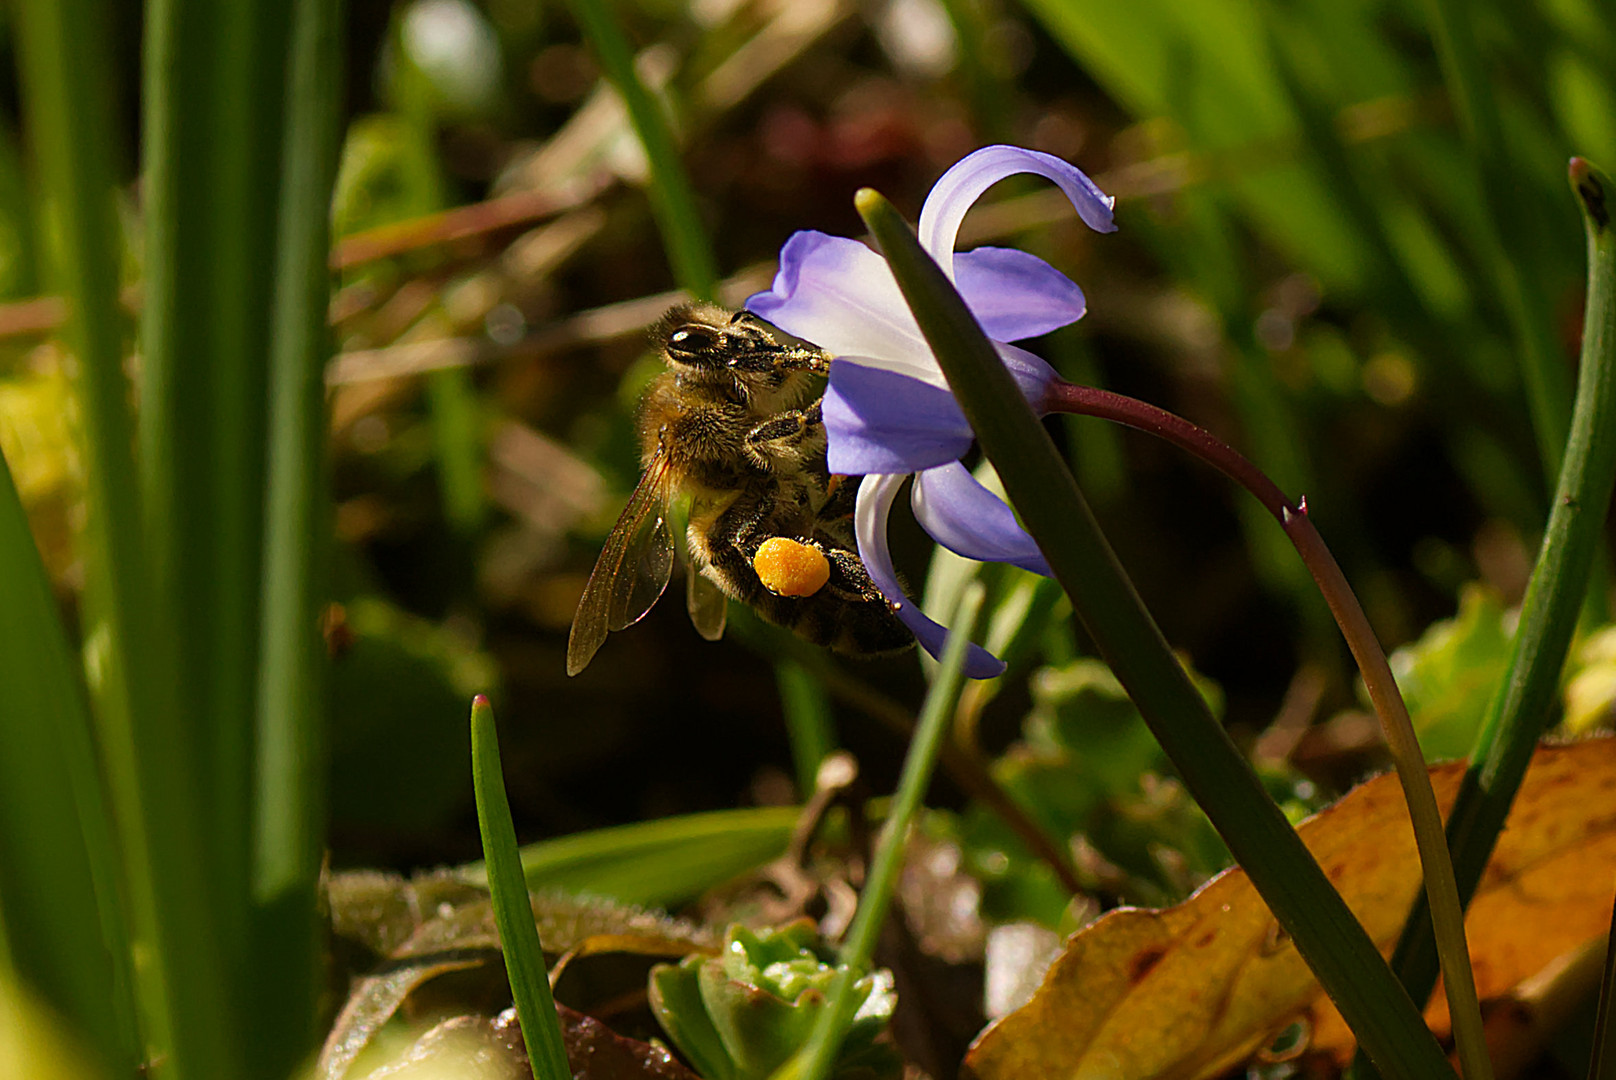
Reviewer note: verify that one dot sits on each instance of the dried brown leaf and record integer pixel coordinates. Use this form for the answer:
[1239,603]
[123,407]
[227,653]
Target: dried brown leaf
[1191,990]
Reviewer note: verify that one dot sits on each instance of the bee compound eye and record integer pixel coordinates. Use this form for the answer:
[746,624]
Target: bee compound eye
[692,339]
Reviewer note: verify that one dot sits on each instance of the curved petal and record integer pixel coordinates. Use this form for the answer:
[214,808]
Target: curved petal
[969,520]
[875,498]
[1015,295]
[1030,371]
[841,296]
[968,178]
[877,421]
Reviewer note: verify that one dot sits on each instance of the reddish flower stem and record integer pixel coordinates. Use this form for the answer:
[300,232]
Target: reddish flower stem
[1440,886]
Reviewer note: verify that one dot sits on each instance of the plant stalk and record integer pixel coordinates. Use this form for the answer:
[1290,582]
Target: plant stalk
[1441,886]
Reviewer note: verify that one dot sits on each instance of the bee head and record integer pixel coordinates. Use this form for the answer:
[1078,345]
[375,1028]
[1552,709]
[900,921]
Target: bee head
[704,338]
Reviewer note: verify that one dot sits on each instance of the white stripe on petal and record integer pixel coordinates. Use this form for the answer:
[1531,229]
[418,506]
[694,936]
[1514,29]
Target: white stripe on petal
[875,497]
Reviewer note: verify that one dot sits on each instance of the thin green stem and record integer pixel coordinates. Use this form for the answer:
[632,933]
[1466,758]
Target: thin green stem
[672,200]
[513,909]
[808,721]
[1441,888]
[961,760]
[818,1054]
[1331,941]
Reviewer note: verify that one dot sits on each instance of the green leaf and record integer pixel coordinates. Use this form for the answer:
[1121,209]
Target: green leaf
[657,863]
[287,754]
[1450,674]
[513,911]
[62,921]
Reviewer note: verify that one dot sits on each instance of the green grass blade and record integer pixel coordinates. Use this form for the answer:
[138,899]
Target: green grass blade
[1333,943]
[181,984]
[212,102]
[1521,710]
[672,200]
[59,873]
[656,863]
[513,911]
[818,1054]
[288,794]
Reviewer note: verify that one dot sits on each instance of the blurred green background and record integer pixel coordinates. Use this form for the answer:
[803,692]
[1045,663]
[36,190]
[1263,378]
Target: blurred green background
[1307,264]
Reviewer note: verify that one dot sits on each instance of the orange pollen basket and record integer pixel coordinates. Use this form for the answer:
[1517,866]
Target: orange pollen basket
[790,568]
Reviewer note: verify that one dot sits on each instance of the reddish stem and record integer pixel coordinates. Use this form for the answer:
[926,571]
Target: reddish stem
[1441,889]
[1089,401]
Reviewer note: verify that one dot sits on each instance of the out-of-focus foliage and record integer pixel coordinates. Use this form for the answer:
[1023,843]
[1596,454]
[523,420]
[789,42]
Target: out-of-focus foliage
[34,1043]
[1088,771]
[395,679]
[1591,692]
[1450,674]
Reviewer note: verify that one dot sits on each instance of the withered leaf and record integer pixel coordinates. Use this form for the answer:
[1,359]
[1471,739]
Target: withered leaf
[1190,990]
[434,926]
[490,1048]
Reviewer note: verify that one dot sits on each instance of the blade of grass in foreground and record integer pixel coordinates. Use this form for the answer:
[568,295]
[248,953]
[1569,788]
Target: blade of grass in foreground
[211,120]
[513,911]
[182,987]
[1521,709]
[59,894]
[1043,491]
[288,791]
[689,250]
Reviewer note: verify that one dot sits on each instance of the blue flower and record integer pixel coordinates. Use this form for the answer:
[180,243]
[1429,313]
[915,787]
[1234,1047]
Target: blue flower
[888,410]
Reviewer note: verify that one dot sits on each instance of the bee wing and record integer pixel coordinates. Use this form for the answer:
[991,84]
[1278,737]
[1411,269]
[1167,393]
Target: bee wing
[633,569]
[707,604]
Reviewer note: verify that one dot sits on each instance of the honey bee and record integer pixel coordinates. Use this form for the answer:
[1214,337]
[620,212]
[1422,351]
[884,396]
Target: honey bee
[734,423]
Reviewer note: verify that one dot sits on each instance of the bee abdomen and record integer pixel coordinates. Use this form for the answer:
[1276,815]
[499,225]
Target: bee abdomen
[853,628]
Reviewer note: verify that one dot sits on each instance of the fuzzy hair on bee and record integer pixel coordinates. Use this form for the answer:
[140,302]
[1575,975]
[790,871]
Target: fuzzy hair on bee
[734,424]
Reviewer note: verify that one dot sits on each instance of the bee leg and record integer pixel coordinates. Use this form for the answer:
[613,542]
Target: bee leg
[787,440]
[734,540]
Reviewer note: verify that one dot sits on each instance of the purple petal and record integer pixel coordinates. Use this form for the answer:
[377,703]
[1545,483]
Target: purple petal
[841,296]
[964,183]
[1030,371]
[969,520]
[878,421]
[875,497]
[1015,295]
